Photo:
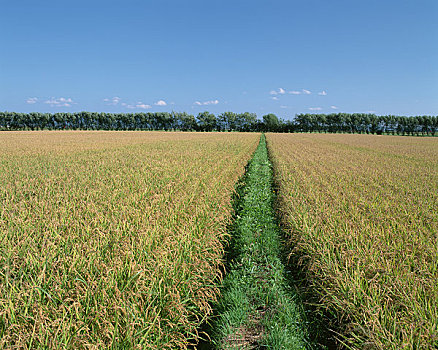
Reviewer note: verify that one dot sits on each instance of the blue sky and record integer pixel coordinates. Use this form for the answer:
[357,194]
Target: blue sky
[284,57]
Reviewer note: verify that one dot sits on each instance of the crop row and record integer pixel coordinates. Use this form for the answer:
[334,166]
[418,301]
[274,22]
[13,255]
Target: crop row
[113,239]
[361,213]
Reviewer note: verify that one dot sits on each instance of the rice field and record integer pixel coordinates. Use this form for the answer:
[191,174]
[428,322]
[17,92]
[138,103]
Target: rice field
[113,239]
[116,239]
[361,212]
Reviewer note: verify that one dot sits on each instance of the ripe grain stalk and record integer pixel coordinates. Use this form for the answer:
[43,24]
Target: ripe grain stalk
[113,239]
[361,214]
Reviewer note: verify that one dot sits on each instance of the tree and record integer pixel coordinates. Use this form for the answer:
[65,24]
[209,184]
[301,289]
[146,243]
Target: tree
[271,122]
[184,121]
[206,121]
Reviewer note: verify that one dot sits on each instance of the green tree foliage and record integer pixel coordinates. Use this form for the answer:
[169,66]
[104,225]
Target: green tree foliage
[206,121]
[227,121]
[271,122]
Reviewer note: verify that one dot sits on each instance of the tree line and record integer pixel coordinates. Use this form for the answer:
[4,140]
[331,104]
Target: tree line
[227,121]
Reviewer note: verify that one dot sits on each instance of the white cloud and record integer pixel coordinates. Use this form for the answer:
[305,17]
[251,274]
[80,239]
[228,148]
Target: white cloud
[275,98]
[142,105]
[60,102]
[315,108]
[333,107]
[160,103]
[280,91]
[112,101]
[138,105]
[371,112]
[32,100]
[284,107]
[206,103]
[322,93]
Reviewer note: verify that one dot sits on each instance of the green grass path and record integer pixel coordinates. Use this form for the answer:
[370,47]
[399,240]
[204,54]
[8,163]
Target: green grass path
[258,309]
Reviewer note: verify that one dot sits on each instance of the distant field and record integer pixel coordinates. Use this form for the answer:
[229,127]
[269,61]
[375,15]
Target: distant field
[112,238]
[363,213]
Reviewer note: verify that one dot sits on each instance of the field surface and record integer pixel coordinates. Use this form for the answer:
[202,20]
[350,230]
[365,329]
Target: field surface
[113,239]
[361,212]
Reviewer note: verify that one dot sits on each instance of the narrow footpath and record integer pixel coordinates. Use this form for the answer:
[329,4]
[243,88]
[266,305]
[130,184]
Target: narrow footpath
[257,309]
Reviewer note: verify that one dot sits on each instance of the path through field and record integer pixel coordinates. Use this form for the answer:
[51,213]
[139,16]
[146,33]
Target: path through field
[257,308]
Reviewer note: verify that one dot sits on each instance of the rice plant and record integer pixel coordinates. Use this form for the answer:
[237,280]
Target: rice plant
[113,239]
[361,212]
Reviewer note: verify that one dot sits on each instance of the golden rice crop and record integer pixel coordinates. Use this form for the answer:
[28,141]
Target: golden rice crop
[112,239]
[362,211]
